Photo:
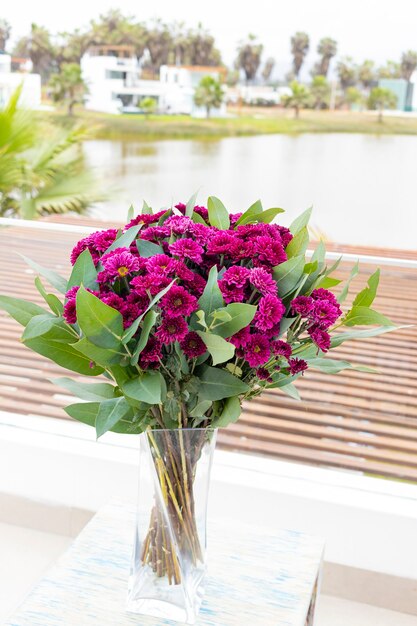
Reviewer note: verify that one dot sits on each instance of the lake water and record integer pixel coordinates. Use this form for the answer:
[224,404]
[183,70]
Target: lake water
[363,188]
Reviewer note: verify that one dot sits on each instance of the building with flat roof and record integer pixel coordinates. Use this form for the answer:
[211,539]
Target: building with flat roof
[14,72]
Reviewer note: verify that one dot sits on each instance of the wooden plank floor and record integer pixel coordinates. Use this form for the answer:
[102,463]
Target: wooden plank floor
[357,421]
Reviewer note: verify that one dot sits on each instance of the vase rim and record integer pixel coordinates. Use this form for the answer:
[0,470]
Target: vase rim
[182,429]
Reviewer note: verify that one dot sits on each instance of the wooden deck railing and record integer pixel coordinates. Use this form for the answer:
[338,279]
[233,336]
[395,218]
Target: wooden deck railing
[357,421]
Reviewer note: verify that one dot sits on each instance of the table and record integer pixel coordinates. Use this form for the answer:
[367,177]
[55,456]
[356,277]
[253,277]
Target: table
[254,579]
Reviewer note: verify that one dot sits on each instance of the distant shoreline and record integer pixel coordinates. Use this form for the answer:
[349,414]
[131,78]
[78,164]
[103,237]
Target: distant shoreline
[244,122]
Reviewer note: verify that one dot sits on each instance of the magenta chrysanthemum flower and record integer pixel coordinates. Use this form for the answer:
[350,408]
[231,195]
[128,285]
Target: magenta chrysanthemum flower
[103,239]
[263,374]
[161,264]
[146,219]
[236,275]
[257,350]
[181,207]
[263,281]
[302,305]
[154,233]
[324,294]
[151,354]
[297,365]
[325,313]
[178,301]
[320,337]
[222,243]
[285,234]
[241,338]
[119,263]
[172,329]
[281,348]
[178,224]
[243,249]
[269,252]
[82,245]
[187,249]
[70,311]
[269,313]
[230,292]
[154,283]
[202,211]
[192,345]
[113,300]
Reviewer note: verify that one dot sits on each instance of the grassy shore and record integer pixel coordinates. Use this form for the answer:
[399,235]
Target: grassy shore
[244,122]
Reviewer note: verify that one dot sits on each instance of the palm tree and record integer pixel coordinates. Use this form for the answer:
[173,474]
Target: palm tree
[298,99]
[327,49]
[41,169]
[380,99]
[39,48]
[68,86]
[300,44]
[408,64]
[202,48]
[391,69]
[353,96]
[267,69]
[366,73]
[159,44]
[249,54]
[347,72]
[5,31]
[116,28]
[320,92]
[209,94]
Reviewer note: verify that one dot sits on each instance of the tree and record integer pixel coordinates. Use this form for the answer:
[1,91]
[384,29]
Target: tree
[327,49]
[353,96]
[209,94]
[72,46]
[42,170]
[320,92]
[148,106]
[202,48]
[249,54]
[347,72]
[159,44]
[298,99]
[5,32]
[116,28]
[366,73]
[391,69]
[267,69]
[300,44]
[39,48]
[68,86]
[408,64]
[380,99]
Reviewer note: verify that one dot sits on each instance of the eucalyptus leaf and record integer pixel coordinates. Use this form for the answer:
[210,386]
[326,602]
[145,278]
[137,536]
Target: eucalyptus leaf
[290,390]
[334,366]
[217,384]
[298,244]
[100,323]
[124,240]
[148,387]
[109,413]
[288,274]
[55,279]
[200,408]
[85,412]
[211,298]
[301,221]
[21,310]
[84,272]
[267,216]
[94,392]
[102,356]
[230,413]
[363,316]
[220,349]
[241,315]
[189,207]
[366,297]
[250,215]
[50,327]
[148,248]
[65,355]
[148,323]
[218,214]
[353,273]
[146,209]
[51,299]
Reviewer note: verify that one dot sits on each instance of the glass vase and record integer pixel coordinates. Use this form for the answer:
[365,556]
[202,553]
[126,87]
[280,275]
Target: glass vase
[169,554]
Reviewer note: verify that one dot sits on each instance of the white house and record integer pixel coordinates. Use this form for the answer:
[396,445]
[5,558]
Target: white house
[114,79]
[10,80]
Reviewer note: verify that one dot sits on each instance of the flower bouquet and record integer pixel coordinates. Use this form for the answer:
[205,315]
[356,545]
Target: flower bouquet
[186,313]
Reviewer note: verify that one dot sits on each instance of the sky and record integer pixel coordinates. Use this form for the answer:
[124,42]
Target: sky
[375,29]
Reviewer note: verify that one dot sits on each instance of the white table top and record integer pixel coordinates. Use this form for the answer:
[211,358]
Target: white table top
[253,579]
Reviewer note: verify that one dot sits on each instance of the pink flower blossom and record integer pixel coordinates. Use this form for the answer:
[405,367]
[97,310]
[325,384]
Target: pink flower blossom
[178,301]
[297,366]
[172,329]
[269,313]
[257,350]
[281,348]
[192,345]
[187,249]
[119,263]
[262,280]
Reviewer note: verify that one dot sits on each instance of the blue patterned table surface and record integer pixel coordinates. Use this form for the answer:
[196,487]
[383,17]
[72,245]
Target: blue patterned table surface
[253,580]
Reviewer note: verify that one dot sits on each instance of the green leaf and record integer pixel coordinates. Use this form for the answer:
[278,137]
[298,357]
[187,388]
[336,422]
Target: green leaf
[362,315]
[109,413]
[102,356]
[250,215]
[196,217]
[327,282]
[241,315]
[200,408]
[220,314]
[298,244]
[148,387]
[84,272]
[148,323]
[64,354]
[284,324]
[147,248]
[189,207]
[211,298]
[267,216]
[95,392]
[146,209]
[49,327]
[301,221]
[51,299]
[56,280]
[288,274]
[124,240]
[133,328]
[217,384]
[130,213]
[85,412]
[230,413]
[220,349]
[319,253]
[353,273]
[334,366]
[100,323]
[21,310]
[340,338]
[290,390]
[367,295]
[218,214]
